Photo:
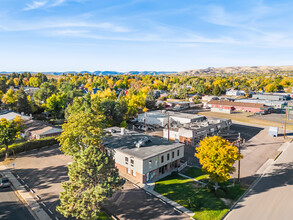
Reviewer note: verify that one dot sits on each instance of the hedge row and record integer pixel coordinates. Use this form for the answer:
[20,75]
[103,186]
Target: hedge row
[28,145]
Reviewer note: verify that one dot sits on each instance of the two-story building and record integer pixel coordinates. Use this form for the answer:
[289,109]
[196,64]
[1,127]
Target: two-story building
[140,157]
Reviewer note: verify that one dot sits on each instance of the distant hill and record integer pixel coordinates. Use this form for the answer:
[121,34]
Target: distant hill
[238,69]
[104,73]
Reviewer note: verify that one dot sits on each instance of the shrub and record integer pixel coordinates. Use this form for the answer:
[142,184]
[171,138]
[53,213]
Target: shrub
[220,193]
[28,145]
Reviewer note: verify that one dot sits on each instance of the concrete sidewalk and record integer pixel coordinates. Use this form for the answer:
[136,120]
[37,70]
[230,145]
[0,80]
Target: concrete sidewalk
[26,196]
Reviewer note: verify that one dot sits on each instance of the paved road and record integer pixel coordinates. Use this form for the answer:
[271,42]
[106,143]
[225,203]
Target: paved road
[11,208]
[272,196]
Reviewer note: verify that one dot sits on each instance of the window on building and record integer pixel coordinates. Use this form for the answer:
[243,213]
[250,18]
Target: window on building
[162,159]
[131,162]
[178,152]
[150,163]
[128,171]
[168,156]
[126,160]
[173,154]
[134,173]
[156,161]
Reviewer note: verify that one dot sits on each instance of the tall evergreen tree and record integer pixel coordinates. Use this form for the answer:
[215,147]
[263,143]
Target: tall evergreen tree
[150,100]
[93,178]
[22,104]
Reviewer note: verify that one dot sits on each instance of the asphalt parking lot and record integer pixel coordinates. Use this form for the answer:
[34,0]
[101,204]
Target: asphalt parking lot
[135,203]
[44,169]
[258,148]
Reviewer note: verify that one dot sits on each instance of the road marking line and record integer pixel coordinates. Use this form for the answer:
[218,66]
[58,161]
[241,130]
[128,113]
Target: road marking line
[33,191]
[162,201]
[50,211]
[38,197]
[56,218]
[148,193]
[43,204]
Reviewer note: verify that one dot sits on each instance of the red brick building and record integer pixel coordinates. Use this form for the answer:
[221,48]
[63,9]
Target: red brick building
[238,106]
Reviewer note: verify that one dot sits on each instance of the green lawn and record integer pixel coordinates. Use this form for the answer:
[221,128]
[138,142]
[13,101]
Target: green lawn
[203,201]
[196,173]
[104,216]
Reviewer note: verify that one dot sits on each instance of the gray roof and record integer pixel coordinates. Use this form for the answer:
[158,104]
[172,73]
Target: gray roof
[126,144]
[10,115]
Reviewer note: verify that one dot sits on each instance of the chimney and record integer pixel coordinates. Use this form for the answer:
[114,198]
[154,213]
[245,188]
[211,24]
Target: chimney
[122,131]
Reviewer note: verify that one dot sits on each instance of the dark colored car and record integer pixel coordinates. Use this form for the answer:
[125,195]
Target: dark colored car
[4,183]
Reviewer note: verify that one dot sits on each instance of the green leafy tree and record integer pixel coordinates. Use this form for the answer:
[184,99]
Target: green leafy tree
[217,156]
[217,90]
[81,130]
[22,104]
[93,178]
[46,90]
[9,131]
[9,98]
[56,104]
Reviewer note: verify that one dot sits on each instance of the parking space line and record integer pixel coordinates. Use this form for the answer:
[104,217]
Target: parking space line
[56,218]
[21,180]
[148,193]
[50,211]
[33,191]
[43,204]
[17,176]
[38,197]
[177,210]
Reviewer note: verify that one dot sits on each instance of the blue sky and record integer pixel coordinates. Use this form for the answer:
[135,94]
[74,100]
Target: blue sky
[124,35]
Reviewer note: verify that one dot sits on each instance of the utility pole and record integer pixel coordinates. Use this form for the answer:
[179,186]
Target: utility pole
[239,145]
[285,122]
[168,126]
[145,124]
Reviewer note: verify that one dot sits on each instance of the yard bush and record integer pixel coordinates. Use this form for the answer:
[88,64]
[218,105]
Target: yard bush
[28,145]
[220,193]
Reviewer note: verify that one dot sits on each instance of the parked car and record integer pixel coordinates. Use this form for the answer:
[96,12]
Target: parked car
[4,183]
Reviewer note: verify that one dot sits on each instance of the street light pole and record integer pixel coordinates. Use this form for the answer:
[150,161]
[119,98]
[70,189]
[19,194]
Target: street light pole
[239,139]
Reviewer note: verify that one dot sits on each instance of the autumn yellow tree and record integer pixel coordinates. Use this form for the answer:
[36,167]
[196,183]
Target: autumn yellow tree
[217,156]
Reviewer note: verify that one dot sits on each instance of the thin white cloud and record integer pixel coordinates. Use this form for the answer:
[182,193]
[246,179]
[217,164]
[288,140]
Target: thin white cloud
[35,5]
[46,3]
[106,26]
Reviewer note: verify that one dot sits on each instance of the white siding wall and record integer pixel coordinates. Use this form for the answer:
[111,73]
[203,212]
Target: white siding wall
[120,159]
[173,134]
[154,165]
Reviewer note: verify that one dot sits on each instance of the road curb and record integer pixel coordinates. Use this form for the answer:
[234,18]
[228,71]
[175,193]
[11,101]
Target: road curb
[20,190]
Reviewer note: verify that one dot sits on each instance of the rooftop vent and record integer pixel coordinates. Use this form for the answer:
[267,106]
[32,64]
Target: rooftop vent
[142,142]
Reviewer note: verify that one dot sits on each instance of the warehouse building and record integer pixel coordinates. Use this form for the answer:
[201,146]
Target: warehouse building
[193,132]
[272,96]
[160,118]
[239,106]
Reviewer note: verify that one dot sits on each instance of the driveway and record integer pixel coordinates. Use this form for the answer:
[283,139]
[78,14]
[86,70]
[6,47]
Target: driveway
[271,198]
